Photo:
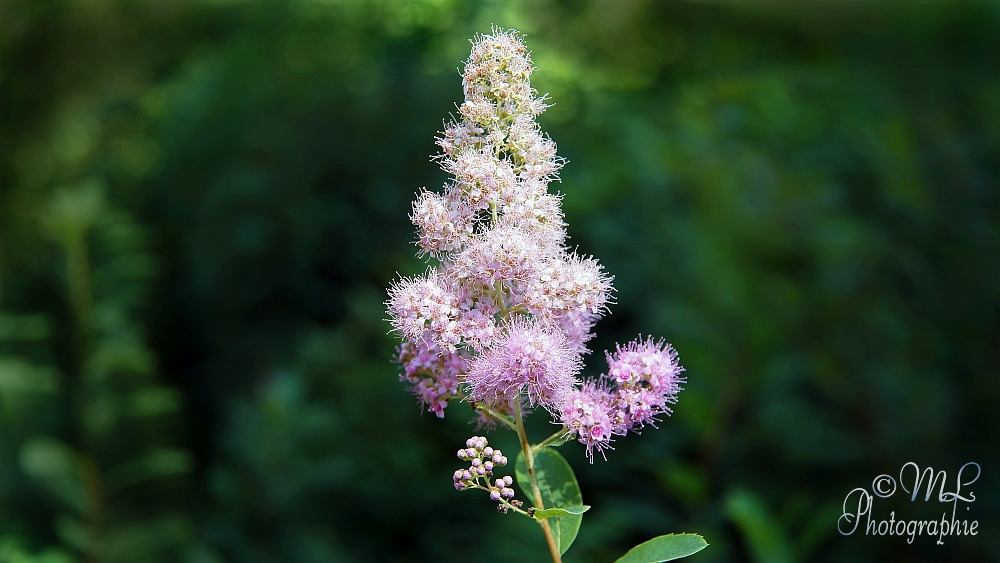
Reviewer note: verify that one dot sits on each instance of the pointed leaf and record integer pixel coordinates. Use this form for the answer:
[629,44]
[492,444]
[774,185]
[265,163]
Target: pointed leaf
[558,486]
[665,548]
[556,512]
[57,467]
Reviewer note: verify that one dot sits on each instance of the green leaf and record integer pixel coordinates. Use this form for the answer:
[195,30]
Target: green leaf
[665,548]
[23,328]
[161,462]
[153,401]
[765,536]
[18,375]
[558,486]
[57,467]
[556,512]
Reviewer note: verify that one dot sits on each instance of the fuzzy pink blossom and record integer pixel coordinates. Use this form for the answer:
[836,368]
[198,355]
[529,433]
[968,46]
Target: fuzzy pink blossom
[477,321]
[458,136]
[528,357]
[589,413]
[647,375]
[534,154]
[647,362]
[504,254]
[427,307]
[480,176]
[538,214]
[643,378]
[572,292]
[444,223]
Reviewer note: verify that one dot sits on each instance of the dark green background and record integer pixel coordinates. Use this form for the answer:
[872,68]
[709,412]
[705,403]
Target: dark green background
[202,203]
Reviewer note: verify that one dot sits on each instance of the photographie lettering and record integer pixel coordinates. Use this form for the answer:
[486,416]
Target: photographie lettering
[859,503]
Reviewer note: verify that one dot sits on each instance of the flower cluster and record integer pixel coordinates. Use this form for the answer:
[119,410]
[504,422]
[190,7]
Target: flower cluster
[643,379]
[432,372]
[482,461]
[502,316]
[528,358]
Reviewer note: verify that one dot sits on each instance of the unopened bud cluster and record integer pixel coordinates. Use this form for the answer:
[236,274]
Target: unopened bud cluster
[479,475]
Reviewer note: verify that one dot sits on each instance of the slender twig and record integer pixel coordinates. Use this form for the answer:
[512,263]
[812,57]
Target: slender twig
[514,508]
[80,287]
[475,485]
[508,421]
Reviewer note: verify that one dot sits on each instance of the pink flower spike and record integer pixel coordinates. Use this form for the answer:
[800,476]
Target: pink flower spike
[505,309]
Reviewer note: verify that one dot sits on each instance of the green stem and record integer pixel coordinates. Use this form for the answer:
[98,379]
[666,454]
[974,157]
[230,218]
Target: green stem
[81,295]
[557,439]
[508,421]
[529,463]
[503,501]
[80,292]
[514,508]
[497,292]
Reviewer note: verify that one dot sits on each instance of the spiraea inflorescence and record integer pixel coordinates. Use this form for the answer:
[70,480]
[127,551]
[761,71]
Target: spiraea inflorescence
[502,316]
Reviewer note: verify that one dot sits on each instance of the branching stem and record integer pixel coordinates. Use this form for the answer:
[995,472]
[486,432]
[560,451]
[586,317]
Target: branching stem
[508,421]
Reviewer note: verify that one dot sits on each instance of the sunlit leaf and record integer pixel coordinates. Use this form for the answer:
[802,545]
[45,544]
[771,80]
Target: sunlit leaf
[57,467]
[20,375]
[556,512]
[665,548]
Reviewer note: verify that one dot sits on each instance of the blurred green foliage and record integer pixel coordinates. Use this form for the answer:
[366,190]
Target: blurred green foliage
[202,203]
